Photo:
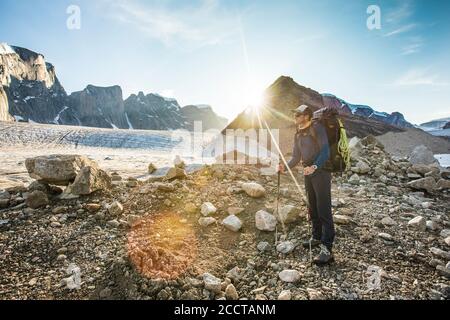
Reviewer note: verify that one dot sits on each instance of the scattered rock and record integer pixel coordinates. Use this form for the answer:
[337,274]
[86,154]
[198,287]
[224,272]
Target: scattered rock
[285,295]
[115,208]
[235,210]
[231,293]
[385,236]
[341,219]
[428,184]
[440,253]
[418,223]
[254,189]
[285,247]
[289,214]
[37,199]
[422,155]
[93,207]
[388,221]
[175,173]
[205,222]
[263,246]
[265,221]
[314,294]
[443,184]
[89,180]
[212,283]
[289,276]
[207,209]
[232,223]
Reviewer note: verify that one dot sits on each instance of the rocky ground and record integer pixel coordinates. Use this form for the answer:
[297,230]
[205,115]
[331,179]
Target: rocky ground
[210,234]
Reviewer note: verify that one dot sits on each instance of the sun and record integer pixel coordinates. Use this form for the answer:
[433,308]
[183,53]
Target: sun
[254,98]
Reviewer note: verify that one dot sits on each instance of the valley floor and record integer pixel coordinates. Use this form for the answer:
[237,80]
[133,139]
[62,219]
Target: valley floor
[156,248]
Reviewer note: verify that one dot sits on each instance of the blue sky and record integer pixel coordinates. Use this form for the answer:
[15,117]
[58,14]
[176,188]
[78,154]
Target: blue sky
[225,52]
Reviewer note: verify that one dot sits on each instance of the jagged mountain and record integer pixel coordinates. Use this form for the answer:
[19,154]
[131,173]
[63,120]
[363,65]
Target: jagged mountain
[99,107]
[285,94]
[31,92]
[153,111]
[395,118]
[29,87]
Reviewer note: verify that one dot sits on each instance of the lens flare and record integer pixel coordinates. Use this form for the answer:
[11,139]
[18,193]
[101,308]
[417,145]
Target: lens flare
[163,246]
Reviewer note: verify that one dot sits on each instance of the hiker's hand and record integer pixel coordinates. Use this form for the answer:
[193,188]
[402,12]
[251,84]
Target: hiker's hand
[281,168]
[307,171]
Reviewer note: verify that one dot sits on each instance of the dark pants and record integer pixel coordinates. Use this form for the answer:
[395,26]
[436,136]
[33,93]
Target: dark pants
[318,189]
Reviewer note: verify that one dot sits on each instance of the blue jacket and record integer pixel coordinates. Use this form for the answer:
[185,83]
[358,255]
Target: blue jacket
[310,150]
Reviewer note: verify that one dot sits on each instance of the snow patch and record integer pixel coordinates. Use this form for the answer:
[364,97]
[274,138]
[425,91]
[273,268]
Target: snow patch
[203,106]
[28,98]
[130,126]
[444,159]
[6,49]
[56,120]
[18,118]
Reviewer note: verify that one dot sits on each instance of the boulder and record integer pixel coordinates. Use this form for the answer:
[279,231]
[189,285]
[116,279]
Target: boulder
[175,173]
[37,199]
[89,180]
[422,155]
[418,223]
[232,223]
[254,189]
[57,169]
[289,276]
[428,184]
[265,221]
[288,214]
[443,184]
[207,209]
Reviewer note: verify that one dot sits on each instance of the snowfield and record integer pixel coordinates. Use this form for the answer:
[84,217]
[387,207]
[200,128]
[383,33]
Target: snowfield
[128,152]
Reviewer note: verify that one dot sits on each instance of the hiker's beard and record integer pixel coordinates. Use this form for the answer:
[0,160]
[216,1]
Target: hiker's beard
[304,124]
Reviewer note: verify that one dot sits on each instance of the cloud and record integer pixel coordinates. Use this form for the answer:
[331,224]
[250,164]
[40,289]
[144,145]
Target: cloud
[402,29]
[420,77]
[414,46]
[400,13]
[206,23]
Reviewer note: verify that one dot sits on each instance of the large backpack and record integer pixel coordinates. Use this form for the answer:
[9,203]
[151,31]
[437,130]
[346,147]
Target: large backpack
[339,160]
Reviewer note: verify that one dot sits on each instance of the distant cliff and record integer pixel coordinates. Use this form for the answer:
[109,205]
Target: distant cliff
[31,92]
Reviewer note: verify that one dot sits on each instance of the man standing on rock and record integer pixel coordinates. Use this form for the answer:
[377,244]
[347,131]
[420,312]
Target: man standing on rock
[311,150]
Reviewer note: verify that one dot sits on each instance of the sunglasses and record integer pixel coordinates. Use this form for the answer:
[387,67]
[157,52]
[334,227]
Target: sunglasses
[297,115]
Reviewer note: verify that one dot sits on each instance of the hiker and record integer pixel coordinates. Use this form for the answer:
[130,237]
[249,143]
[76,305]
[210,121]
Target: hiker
[311,150]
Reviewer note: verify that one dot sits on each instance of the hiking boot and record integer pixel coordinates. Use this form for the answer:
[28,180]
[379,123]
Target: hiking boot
[324,257]
[314,243]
